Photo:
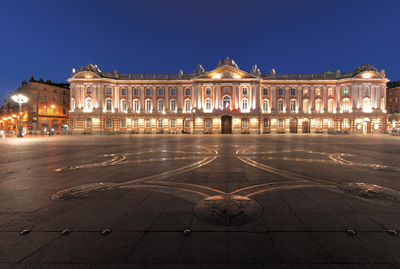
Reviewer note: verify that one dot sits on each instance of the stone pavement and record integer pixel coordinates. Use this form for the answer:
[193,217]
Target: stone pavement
[245,201]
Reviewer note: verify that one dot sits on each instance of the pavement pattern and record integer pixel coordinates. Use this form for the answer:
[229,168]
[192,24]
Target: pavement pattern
[200,201]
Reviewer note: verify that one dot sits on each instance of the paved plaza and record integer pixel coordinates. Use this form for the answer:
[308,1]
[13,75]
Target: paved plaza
[200,201]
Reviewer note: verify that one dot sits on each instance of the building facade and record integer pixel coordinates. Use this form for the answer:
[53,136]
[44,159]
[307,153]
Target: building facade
[46,109]
[393,103]
[228,100]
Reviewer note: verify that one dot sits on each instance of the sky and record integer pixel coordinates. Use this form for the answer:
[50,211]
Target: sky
[47,39]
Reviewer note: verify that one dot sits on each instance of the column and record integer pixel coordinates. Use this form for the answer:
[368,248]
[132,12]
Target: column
[312,95]
[234,90]
[154,99]
[142,105]
[273,99]
[300,106]
[166,92]
[129,98]
[337,99]
[180,100]
[287,98]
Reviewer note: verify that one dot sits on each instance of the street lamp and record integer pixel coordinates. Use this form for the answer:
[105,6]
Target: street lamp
[20,99]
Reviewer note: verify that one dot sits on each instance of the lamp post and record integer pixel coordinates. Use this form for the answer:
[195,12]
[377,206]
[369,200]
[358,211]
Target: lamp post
[20,99]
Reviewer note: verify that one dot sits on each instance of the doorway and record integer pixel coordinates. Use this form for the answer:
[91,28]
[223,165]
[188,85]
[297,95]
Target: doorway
[226,122]
[306,126]
[293,126]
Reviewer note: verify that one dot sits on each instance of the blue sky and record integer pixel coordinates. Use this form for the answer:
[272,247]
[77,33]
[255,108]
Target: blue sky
[49,38]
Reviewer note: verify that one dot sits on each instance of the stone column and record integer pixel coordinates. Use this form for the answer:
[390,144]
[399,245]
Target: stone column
[273,99]
[166,93]
[312,98]
[155,108]
[142,105]
[180,98]
[300,106]
[287,99]
[337,99]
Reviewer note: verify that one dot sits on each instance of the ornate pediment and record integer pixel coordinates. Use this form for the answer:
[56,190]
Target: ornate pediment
[365,67]
[227,61]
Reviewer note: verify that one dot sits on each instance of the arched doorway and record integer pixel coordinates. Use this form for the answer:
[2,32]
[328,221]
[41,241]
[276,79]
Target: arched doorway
[226,124]
[44,124]
[293,126]
[306,126]
[366,125]
[54,125]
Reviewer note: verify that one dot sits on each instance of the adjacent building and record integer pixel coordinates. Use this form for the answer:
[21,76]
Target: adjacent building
[393,103]
[228,100]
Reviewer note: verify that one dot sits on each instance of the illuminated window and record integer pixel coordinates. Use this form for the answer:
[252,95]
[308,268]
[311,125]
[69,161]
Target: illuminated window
[208,91]
[366,104]
[281,123]
[317,91]
[173,105]
[305,91]
[266,123]
[345,90]
[187,105]
[160,105]
[366,90]
[318,105]
[136,92]
[108,123]
[123,105]
[148,123]
[160,123]
[123,91]
[160,91]
[293,92]
[108,90]
[148,92]
[108,104]
[123,123]
[208,123]
[280,105]
[244,90]
[135,123]
[244,104]
[34,108]
[280,92]
[396,99]
[390,99]
[306,106]
[173,92]
[346,104]
[88,122]
[187,91]
[136,105]
[148,105]
[35,87]
[172,123]
[265,91]
[64,92]
[330,123]
[89,103]
[187,123]
[318,123]
[346,123]
[292,105]
[330,91]
[390,110]
[265,105]
[208,104]
[245,123]
[89,90]
[330,105]
[54,110]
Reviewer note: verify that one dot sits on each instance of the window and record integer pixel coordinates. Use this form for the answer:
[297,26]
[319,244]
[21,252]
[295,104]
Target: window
[266,123]
[136,92]
[330,105]
[346,104]
[44,97]
[108,90]
[366,104]
[108,123]
[64,100]
[54,98]
[35,87]
[89,90]
[305,91]
[396,109]
[88,122]
[172,123]
[390,99]
[390,93]
[44,89]
[244,90]
[281,123]
[317,91]
[136,105]
[318,123]
[293,92]
[280,92]
[292,105]
[265,91]
[396,99]
[346,123]
[390,110]
[173,92]
[135,123]
[306,106]
[148,123]
[245,123]
[64,111]
[123,123]
[265,105]
[64,92]
[34,109]
[280,105]
[123,105]
[34,97]
[160,105]
[208,104]
[245,104]
[109,105]
[148,92]
[55,91]
[366,90]
[34,120]
[160,91]
[44,110]
[187,105]
[318,105]
[396,91]
[187,91]
[148,105]
[330,91]
[123,91]
[208,123]
[173,105]
[226,101]
[208,91]
[330,123]
[55,111]
[187,123]
[160,123]
[89,103]
[345,90]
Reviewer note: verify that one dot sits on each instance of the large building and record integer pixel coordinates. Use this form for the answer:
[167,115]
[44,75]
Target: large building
[46,109]
[393,103]
[228,100]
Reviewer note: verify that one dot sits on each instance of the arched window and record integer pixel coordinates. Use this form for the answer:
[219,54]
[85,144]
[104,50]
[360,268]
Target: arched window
[88,105]
[245,104]
[89,90]
[318,123]
[292,92]
[366,104]
[108,104]
[160,105]
[330,105]
[365,90]
[123,105]
[317,91]
[148,105]
[305,91]
[123,91]
[280,105]
[318,105]
[346,123]
[346,104]
[293,105]
[187,105]
[160,123]
[173,105]
[265,106]
[208,106]
[226,101]
[306,106]
[136,105]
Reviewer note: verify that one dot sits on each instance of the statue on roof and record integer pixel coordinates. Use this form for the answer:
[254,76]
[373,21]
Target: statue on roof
[227,61]
[365,67]
[255,71]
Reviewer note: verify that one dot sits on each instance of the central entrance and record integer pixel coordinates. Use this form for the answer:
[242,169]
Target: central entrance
[226,122]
